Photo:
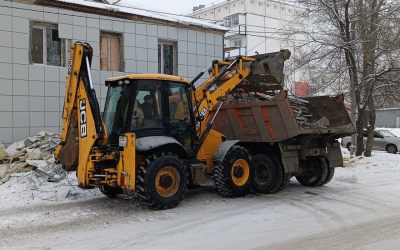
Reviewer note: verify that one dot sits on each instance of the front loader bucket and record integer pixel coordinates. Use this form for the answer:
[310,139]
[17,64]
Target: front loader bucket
[267,73]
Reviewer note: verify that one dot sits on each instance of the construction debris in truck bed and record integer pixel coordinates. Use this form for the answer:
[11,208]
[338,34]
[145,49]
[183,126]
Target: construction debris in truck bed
[300,107]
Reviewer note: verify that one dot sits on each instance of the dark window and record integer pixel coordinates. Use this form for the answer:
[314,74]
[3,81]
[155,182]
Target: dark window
[37,45]
[167,55]
[45,45]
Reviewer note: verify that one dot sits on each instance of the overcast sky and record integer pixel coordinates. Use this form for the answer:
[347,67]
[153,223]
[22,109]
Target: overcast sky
[173,6]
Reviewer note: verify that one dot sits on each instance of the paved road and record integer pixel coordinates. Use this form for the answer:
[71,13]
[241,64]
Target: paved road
[359,209]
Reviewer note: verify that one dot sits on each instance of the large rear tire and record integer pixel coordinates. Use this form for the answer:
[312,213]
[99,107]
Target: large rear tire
[315,172]
[268,174]
[161,181]
[234,174]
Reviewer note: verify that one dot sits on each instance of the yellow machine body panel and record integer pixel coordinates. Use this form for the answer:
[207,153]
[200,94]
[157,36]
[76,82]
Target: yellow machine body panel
[87,137]
[126,168]
[207,150]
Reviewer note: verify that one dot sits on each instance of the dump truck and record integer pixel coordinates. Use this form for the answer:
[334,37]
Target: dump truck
[158,134]
[287,136]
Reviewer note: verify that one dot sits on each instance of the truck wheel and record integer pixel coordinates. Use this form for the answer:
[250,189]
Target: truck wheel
[161,181]
[285,181]
[329,177]
[233,175]
[267,174]
[315,172]
[392,149]
[110,192]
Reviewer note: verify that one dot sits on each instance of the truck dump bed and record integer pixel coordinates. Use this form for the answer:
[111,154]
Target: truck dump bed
[283,117]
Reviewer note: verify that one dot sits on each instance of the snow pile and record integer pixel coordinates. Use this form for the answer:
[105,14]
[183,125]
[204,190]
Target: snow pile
[33,187]
[33,154]
[28,173]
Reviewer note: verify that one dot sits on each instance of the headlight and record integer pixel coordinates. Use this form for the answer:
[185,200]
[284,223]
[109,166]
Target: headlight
[122,141]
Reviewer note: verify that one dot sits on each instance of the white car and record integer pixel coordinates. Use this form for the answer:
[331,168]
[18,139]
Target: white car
[383,140]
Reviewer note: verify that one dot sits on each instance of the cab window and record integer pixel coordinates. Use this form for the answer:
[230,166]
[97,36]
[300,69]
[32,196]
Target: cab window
[180,123]
[178,103]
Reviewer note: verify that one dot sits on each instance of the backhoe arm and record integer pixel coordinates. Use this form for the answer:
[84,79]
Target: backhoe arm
[261,72]
[82,125]
[212,93]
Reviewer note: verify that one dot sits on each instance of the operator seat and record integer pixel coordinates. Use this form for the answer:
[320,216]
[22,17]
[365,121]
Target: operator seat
[138,115]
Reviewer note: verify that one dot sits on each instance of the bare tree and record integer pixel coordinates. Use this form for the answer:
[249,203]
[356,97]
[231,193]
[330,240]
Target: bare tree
[354,44]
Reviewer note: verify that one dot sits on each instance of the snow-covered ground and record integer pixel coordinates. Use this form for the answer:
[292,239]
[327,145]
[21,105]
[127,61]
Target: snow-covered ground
[359,209]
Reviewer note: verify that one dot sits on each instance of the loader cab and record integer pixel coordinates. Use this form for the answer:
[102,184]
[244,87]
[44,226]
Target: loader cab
[149,105]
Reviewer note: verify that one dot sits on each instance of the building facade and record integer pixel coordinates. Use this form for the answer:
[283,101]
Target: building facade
[34,46]
[259,26]
[388,118]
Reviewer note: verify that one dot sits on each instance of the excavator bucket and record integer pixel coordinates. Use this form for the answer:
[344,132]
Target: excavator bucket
[267,73]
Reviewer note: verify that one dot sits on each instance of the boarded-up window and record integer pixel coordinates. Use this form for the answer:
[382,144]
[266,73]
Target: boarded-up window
[167,57]
[45,45]
[111,52]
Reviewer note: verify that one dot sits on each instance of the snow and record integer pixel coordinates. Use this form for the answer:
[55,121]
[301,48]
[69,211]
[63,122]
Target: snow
[147,13]
[358,209]
[388,109]
[32,188]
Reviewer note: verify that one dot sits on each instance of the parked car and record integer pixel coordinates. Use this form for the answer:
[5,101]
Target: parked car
[383,140]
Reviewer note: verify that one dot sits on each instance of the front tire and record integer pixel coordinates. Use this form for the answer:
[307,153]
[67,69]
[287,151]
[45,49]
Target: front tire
[161,181]
[234,174]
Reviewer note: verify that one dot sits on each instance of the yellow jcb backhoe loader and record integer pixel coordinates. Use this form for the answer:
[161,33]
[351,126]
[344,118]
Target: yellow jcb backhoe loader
[156,134]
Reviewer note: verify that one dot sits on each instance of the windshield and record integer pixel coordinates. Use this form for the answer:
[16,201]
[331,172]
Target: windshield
[114,94]
[386,133]
[132,106]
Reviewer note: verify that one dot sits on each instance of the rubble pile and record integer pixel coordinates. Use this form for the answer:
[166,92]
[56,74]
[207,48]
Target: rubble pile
[33,156]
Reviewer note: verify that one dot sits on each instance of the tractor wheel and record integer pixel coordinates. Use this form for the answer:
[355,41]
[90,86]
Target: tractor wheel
[233,175]
[267,174]
[161,181]
[110,192]
[315,172]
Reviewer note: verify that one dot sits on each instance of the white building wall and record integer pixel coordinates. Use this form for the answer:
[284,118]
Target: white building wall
[267,24]
[31,95]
